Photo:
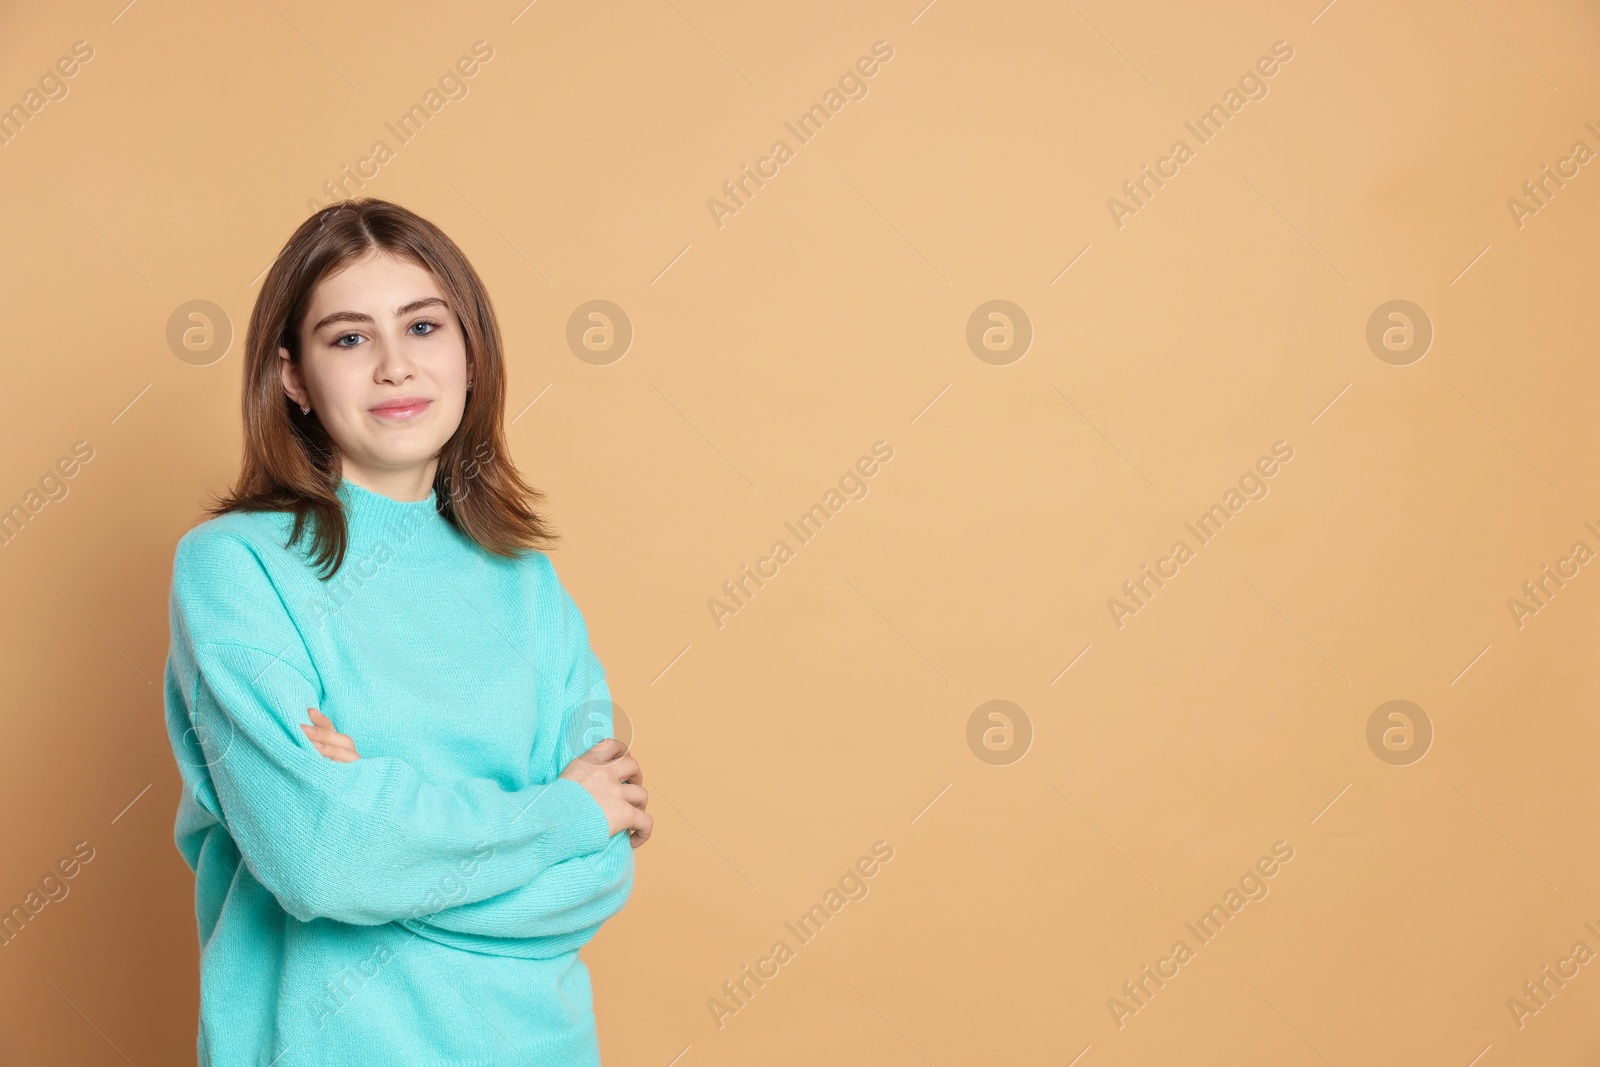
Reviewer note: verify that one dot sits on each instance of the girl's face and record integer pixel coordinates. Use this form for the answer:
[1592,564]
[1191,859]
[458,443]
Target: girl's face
[383,364]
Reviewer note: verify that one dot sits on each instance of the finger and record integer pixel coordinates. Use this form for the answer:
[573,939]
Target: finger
[329,742]
[606,751]
[334,739]
[625,768]
[643,825]
[636,795]
[342,755]
[318,737]
[338,747]
[327,735]
[324,724]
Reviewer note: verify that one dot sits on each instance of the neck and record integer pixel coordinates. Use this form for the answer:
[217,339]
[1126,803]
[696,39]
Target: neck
[405,534]
[408,485]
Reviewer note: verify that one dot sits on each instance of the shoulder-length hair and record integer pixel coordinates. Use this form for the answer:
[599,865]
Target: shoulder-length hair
[291,464]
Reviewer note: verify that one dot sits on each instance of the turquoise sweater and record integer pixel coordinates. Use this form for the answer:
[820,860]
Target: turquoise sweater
[423,905]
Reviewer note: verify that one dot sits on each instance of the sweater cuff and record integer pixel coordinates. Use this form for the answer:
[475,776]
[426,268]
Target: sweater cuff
[584,821]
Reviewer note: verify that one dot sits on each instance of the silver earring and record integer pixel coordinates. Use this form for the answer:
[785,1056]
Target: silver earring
[305,409]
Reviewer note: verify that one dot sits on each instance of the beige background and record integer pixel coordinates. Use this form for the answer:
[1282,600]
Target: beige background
[829,313]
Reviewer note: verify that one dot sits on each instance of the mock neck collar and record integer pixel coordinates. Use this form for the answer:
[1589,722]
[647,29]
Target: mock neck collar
[411,533]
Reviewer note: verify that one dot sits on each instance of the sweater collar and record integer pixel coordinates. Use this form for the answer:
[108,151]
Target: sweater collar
[410,533]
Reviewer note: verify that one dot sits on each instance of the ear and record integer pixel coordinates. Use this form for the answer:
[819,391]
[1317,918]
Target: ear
[293,387]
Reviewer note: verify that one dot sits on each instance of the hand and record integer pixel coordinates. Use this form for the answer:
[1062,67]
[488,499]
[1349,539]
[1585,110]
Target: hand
[616,782]
[329,742]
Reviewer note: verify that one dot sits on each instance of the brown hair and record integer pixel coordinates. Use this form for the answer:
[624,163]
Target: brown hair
[290,462]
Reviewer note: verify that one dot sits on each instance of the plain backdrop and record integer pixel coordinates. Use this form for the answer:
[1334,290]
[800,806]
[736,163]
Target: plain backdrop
[774,341]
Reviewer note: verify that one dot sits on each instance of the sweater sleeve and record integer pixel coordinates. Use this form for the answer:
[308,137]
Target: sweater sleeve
[559,911]
[564,907]
[588,714]
[365,842]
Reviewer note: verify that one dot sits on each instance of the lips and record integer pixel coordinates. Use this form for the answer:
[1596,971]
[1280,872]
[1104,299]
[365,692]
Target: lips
[405,407]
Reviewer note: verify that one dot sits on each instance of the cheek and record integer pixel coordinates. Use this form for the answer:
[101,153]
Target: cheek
[341,390]
[458,368]
[441,367]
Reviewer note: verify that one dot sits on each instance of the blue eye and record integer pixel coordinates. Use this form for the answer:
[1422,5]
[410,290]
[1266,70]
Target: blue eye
[426,322]
[337,341]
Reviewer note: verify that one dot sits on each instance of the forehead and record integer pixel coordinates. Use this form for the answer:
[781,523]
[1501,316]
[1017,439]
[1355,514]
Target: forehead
[375,283]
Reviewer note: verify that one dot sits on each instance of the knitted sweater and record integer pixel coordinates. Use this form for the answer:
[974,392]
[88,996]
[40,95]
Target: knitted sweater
[423,905]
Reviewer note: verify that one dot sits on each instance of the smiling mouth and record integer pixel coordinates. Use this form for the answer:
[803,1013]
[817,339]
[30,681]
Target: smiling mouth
[402,411]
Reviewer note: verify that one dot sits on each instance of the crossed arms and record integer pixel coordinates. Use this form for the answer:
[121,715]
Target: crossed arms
[531,872]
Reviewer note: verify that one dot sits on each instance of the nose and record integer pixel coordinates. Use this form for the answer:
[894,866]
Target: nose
[394,365]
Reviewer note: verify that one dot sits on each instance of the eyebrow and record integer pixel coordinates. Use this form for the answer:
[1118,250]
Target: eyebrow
[358,316]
